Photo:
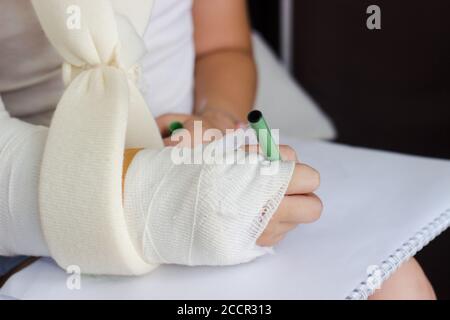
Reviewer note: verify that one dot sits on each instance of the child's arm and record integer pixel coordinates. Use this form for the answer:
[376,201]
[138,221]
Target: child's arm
[225,71]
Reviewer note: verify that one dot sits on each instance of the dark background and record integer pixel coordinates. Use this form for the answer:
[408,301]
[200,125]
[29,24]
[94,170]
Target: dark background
[386,89]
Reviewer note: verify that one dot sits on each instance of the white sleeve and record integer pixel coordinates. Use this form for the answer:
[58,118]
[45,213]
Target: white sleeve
[21,149]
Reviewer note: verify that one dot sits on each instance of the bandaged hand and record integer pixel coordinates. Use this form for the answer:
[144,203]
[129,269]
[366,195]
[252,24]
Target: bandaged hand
[299,205]
[214,214]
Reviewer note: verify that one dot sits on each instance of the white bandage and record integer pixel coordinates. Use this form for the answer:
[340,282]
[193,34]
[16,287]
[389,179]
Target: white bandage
[200,214]
[21,149]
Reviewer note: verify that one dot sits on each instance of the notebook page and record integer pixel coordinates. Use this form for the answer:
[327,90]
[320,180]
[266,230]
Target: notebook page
[373,202]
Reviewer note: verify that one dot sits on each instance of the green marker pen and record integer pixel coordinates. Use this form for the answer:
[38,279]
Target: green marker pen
[264,135]
[175,126]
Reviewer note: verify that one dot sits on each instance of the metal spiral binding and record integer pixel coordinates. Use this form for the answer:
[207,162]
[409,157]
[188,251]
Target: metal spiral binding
[405,252]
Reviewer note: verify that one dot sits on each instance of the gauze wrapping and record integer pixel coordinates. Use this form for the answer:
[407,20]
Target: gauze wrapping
[21,148]
[201,214]
[100,113]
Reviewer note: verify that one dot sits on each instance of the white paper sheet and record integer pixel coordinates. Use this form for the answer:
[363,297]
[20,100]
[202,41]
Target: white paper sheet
[373,202]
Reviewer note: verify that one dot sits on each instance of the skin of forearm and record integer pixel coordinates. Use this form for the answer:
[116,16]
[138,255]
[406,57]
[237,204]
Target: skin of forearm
[225,80]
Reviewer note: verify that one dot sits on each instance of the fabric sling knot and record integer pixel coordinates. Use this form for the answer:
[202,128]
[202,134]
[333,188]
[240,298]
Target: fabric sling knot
[70,72]
[99,115]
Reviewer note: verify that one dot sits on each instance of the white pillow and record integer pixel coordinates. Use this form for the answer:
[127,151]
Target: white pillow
[285,103]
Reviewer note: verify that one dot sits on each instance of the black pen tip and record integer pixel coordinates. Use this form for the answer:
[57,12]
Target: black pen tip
[254,116]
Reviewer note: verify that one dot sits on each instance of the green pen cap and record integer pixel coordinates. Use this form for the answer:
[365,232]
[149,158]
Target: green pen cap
[264,135]
[175,126]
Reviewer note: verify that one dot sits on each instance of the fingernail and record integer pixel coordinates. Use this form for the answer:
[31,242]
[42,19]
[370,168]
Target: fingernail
[241,125]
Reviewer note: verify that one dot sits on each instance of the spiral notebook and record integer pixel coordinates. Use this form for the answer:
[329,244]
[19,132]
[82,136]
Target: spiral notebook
[380,208]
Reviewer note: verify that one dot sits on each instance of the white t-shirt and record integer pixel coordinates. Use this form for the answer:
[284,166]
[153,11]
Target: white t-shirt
[168,68]
[30,69]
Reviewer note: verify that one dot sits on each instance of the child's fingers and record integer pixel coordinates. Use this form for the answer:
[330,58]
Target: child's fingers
[181,138]
[165,120]
[269,240]
[292,211]
[282,228]
[287,153]
[299,209]
[170,142]
[304,180]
